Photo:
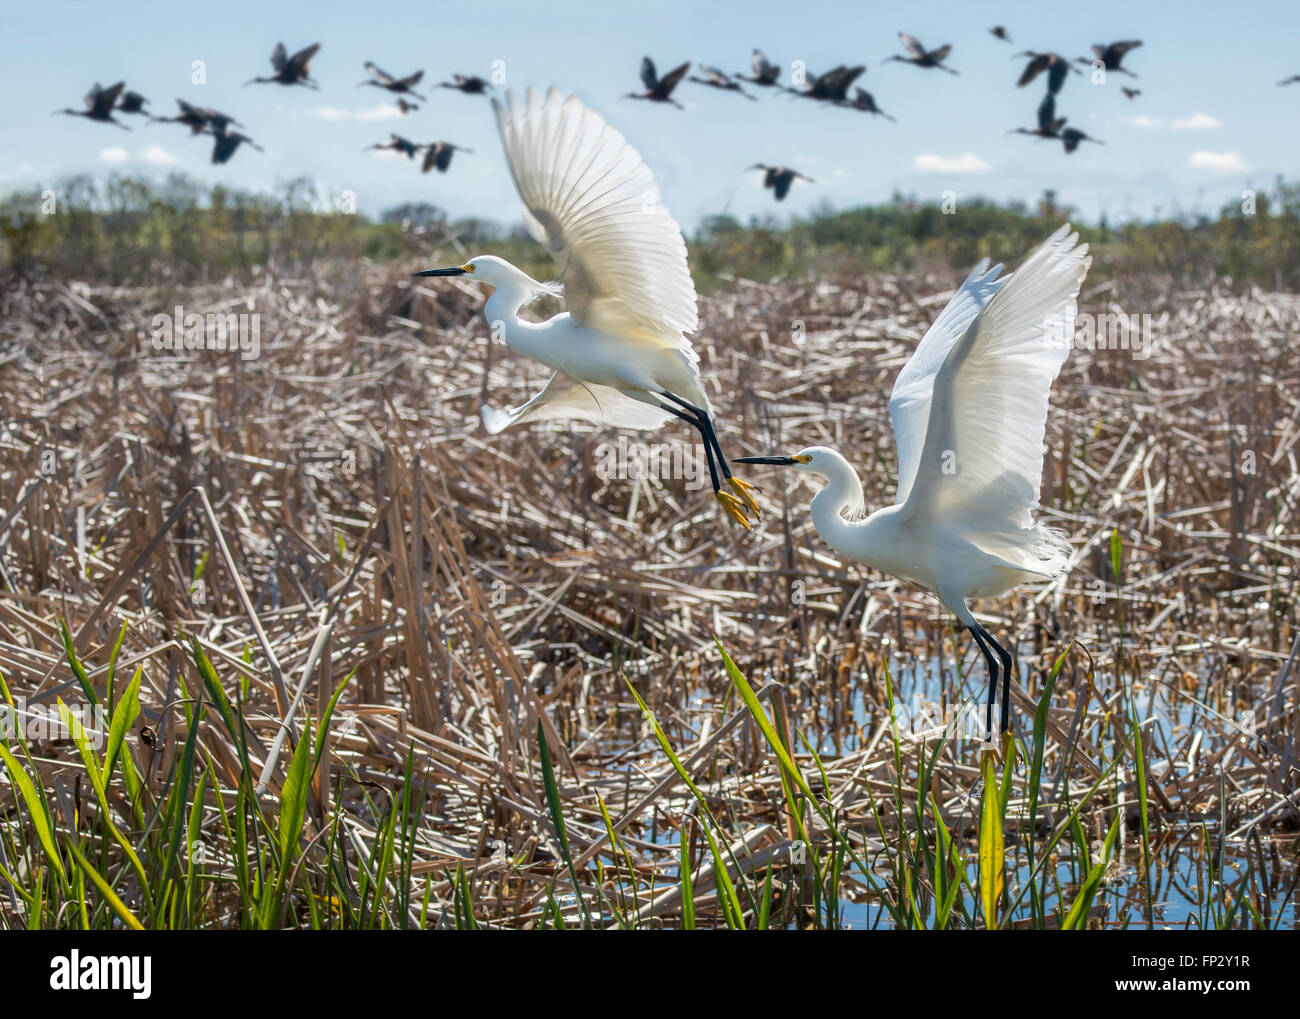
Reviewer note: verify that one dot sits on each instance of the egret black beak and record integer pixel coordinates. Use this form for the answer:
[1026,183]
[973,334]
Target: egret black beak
[455,270]
[775,461]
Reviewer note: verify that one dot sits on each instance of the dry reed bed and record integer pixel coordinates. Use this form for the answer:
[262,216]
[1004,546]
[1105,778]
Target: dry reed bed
[343,511]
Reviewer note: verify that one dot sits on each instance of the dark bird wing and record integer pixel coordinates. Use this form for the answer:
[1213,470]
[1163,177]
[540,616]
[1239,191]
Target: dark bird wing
[913,44]
[1034,68]
[106,98]
[669,81]
[302,58]
[430,157]
[279,56]
[649,78]
[762,67]
[781,185]
[411,79]
[846,77]
[380,75]
[1056,75]
[1047,113]
[1118,49]
[941,53]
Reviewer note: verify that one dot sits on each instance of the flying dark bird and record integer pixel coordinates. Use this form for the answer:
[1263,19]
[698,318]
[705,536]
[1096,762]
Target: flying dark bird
[1291,80]
[922,57]
[1133,93]
[439,154]
[99,105]
[1049,125]
[397,144]
[1111,55]
[289,70]
[657,89]
[719,79]
[382,79]
[406,107]
[1071,136]
[866,102]
[132,102]
[227,141]
[765,72]
[1056,66]
[197,118]
[470,84]
[999,32]
[779,178]
[831,86]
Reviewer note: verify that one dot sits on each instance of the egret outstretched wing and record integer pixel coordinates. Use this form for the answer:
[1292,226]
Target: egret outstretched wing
[566,397]
[909,403]
[982,456]
[593,203]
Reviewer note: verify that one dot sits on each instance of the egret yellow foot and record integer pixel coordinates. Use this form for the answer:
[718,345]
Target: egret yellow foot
[736,508]
[746,492]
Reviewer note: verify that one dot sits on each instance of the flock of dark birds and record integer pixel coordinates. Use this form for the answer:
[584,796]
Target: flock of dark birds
[831,87]
[102,103]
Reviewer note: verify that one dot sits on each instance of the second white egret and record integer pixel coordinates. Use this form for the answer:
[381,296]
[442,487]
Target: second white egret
[969,411]
[620,353]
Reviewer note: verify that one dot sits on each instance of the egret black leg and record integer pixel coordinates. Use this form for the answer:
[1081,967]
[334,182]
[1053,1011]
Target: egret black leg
[981,635]
[1007,663]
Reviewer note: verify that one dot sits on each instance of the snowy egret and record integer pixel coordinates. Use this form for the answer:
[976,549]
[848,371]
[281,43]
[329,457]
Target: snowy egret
[620,355]
[969,411]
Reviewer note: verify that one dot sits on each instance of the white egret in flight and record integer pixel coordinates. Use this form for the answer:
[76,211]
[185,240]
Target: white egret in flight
[620,354]
[969,410]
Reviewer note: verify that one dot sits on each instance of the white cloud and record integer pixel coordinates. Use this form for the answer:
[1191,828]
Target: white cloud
[154,155]
[381,112]
[967,162]
[1217,162]
[1198,121]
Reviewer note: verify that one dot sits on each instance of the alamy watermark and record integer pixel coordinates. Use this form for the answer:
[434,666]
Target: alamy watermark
[1103,331]
[624,460]
[35,721]
[191,332]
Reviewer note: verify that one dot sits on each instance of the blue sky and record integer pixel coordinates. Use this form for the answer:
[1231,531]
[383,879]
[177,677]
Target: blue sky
[1210,121]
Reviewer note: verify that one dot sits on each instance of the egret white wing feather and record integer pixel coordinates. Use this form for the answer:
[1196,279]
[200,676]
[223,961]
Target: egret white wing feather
[566,397]
[982,460]
[909,403]
[593,203]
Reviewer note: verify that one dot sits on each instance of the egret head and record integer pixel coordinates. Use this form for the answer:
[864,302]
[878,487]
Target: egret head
[498,273]
[489,269]
[814,460]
